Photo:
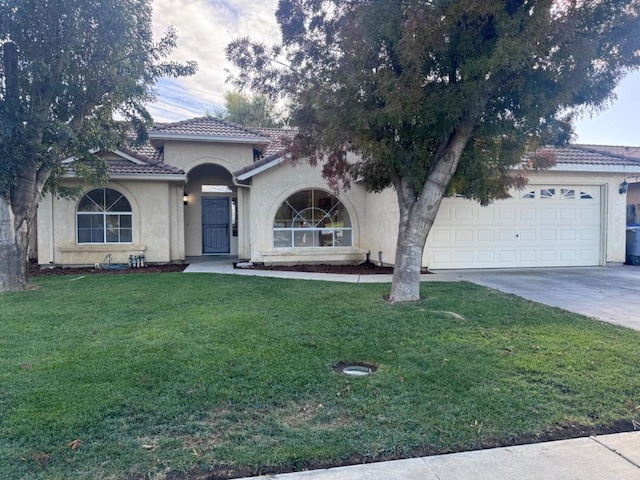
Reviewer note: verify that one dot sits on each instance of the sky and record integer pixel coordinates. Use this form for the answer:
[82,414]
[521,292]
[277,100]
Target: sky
[205,27]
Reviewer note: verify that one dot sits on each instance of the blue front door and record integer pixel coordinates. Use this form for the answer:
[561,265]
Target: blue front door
[215,225]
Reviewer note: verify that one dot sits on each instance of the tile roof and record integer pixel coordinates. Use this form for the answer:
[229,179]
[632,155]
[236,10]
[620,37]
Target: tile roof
[280,139]
[206,126]
[128,167]
[147,153]
[257,164]
[581,155]
[275,142]
[629,152]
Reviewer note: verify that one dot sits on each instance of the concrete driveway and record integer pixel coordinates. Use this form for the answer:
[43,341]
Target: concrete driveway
[611,294]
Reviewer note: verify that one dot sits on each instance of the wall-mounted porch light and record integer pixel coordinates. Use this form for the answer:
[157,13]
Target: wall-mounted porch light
[185,198]
[624,186]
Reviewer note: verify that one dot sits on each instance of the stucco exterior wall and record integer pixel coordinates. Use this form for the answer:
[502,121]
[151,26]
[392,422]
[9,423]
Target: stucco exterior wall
[157,221]
[188,155]
[272,187]
[382,215]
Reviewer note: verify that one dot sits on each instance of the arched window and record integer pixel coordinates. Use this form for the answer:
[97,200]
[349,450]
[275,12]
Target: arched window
[312,218]
[104,216]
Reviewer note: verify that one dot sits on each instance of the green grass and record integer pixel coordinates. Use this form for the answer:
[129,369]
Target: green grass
[186,372]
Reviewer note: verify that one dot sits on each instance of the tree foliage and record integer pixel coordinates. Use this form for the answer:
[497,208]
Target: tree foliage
[439,95]
[67,67]
[251,111]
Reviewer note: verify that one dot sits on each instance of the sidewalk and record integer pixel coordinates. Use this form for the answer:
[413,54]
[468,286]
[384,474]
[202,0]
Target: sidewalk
[606,457]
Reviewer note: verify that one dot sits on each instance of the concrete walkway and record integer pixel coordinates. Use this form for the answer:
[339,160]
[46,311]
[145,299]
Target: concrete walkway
[225,266]
[606,457]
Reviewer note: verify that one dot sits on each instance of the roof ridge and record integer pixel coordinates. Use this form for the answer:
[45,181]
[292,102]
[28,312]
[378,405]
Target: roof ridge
[150,161]
[586,148]
[605,146]
[207,118]
[138,156]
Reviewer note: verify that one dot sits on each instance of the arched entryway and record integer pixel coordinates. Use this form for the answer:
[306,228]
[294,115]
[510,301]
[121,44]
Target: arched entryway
[211,212]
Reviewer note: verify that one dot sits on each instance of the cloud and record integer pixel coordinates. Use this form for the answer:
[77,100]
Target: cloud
[205,27]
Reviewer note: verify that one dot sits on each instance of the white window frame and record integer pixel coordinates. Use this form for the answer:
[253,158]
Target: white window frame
[105,215]
[314,229]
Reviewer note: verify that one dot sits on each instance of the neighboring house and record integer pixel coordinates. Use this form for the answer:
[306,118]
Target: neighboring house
[208,187]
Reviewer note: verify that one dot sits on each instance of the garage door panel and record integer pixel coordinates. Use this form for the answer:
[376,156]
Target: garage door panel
[527,213]
[442,235]
[445,213]
[486,235]
[505,213]
[507,256]
[568,214]
[528,235]
[528,256]
[439,257]
[548,214]
[548,256]
[507,235]
[463,214]
[464,235]
[485,257]
[486,214]
[568,255]
[464,257]
[548,235]
[587,214]
[554,225]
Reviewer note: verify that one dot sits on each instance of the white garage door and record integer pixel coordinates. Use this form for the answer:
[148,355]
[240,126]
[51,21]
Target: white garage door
[541,226]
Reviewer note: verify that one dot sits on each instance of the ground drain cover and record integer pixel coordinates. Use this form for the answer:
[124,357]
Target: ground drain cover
[355,369]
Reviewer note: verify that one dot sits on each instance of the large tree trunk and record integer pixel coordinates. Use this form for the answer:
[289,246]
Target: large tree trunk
[17,213]
[417,214]
[13,250]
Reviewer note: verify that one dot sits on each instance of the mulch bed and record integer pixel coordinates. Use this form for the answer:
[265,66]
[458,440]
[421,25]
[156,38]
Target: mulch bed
[37,271]
[366,268]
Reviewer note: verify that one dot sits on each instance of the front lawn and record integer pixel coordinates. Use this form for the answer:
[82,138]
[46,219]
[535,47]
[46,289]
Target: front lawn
[121,376]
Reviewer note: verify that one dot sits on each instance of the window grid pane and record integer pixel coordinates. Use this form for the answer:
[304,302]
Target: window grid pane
[96,222]
[312,218]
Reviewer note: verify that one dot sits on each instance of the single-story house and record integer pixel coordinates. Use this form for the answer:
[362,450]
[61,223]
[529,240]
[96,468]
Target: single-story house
[205,186]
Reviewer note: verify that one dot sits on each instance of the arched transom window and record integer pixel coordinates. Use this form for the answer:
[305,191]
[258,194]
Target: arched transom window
[104,216]
[312,218]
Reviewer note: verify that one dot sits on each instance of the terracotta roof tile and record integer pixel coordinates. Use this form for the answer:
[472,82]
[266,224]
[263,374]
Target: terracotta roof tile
[579,154]
[127,167]
[147,153]
[280,139]
[629,152]
[206,126]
